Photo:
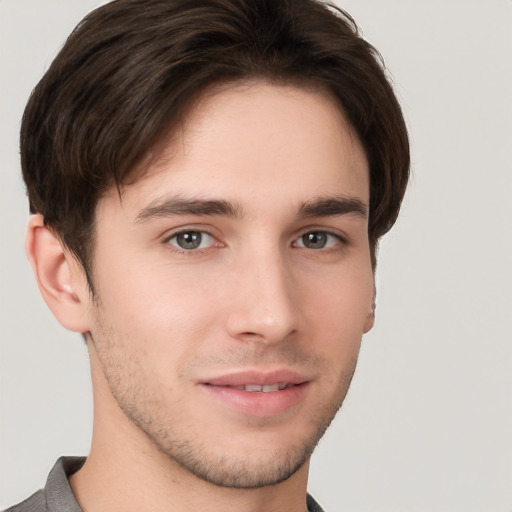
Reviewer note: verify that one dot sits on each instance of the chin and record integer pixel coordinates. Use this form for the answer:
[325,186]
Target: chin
[246,471]
[253,459]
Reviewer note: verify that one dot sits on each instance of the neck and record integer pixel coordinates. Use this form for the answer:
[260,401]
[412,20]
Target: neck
[126,471]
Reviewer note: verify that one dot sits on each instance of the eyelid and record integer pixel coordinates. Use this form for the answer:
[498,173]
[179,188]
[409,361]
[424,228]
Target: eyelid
[190,229]
[198,228]
[341,237]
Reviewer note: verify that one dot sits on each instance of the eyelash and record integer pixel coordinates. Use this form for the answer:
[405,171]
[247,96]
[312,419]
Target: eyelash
[340,241]
[189,252]
[340,245]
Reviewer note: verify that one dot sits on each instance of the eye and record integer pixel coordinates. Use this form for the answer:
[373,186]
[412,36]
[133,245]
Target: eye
[318,240]
[191,240]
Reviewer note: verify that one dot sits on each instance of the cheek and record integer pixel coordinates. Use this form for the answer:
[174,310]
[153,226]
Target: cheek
[339,308]
[344,293]
[157,304]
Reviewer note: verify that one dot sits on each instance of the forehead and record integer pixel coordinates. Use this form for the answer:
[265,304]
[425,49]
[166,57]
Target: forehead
[238,141]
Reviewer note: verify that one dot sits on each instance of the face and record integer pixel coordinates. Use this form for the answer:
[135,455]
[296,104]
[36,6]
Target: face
[234,283]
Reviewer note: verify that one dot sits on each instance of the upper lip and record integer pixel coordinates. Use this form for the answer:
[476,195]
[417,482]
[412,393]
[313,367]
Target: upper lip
[256,377]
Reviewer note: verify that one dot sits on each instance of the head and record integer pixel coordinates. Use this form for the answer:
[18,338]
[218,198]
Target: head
[221,173]
[131,69]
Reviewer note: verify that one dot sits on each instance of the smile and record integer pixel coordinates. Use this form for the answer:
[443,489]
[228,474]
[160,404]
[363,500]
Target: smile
[256,393]
[256,388]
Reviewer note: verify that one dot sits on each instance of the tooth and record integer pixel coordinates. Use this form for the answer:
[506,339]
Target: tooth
[270,387]
[252,387]
[282,385]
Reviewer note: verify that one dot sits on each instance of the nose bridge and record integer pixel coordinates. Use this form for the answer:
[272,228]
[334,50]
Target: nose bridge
[263,306]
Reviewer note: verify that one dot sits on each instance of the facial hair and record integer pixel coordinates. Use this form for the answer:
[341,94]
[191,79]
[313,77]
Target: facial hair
[145,407]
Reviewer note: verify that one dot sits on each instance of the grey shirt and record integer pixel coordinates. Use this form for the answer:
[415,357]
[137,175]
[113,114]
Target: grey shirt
[57,495]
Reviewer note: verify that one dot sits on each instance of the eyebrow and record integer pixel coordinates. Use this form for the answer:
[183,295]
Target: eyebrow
[333,206]
[319,207]
[181,206]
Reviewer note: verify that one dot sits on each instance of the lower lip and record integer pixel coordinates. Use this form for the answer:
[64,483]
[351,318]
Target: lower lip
[258,403]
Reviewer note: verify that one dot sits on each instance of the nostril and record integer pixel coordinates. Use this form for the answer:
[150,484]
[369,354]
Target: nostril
[252,336]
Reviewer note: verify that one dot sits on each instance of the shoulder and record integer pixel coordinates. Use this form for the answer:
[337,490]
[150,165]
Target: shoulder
[57,495]
[313,506]
[36,503]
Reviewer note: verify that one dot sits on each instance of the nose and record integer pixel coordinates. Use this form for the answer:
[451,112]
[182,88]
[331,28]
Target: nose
[263,305]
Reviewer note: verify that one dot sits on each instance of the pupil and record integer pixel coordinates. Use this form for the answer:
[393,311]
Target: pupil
[189,240]
[315,240]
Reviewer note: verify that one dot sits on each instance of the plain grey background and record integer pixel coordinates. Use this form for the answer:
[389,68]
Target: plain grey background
[427,425]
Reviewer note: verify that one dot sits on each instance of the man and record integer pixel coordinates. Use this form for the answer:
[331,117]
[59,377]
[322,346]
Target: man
[209,182]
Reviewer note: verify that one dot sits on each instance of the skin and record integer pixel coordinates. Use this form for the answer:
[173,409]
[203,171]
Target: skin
[268,289]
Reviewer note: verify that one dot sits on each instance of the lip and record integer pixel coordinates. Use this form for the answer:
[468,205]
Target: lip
[257,403]
[260,378]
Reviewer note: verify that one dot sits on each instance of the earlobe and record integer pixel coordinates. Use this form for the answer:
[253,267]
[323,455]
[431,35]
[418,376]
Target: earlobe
[370,319]
[59,277]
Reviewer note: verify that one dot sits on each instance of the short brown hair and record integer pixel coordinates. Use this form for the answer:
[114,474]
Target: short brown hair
[127,70]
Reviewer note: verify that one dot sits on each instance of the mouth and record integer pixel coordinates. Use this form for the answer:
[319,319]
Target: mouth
[260,394]
[256,388]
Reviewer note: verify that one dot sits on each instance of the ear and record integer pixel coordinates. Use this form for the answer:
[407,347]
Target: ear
[60,277]
[370,319]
